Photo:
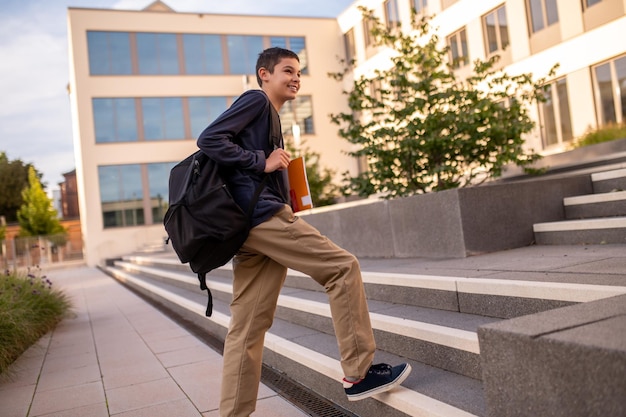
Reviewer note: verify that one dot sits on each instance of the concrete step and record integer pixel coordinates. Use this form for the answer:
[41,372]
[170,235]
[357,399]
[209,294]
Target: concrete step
[439,338]
[590,231]
[609,204]
[613,180]
[311,355]
[491,297]
[439,343]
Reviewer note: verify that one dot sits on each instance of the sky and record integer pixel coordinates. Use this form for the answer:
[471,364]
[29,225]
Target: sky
[35,120]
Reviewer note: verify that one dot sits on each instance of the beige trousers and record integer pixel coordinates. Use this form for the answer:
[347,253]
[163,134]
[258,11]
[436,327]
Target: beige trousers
[286,241]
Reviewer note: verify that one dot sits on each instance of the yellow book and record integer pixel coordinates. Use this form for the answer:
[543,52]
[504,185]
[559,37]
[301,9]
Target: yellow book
[299,190]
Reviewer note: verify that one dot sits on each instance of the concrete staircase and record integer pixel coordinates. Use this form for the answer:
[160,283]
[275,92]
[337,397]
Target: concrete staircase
[598,218]
[427,319]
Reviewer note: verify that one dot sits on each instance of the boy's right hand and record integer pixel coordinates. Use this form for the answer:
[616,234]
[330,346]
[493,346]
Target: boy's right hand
[278,159]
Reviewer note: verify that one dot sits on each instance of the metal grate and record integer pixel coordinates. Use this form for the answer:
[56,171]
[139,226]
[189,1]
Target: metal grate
[300,396]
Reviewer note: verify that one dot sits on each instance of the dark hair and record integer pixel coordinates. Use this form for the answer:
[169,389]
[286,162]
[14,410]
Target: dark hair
[270,57]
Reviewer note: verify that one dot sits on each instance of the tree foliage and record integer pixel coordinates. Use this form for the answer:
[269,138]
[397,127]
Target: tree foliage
[422,129]
[13,179]
[36,216]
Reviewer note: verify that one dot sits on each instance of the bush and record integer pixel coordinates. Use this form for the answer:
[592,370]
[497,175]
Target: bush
[29,308]
[604,134]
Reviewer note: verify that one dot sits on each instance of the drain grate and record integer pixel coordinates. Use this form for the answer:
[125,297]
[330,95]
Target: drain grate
[300,396]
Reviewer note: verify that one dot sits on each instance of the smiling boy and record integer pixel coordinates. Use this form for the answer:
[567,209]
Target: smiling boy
[238,141]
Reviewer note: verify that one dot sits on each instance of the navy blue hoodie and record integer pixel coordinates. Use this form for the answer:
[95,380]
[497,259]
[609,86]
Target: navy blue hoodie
[239,140]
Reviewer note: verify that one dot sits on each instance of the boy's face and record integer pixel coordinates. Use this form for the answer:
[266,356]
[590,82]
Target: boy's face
[283,84]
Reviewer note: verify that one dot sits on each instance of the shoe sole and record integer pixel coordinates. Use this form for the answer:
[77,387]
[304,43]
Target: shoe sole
[383,388]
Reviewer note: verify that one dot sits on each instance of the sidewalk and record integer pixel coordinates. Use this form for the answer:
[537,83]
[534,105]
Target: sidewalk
[118,356]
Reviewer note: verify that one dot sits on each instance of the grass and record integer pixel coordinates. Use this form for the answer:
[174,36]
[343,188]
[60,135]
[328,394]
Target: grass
[604,134]
[29,308]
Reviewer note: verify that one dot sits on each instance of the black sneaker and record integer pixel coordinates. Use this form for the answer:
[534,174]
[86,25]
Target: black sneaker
[379,378]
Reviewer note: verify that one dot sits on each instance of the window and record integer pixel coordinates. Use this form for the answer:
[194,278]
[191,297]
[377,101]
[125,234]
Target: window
[589,3]
[115,120]
[610,91]
[419,6]
[392,17]
[122,193]
[163,118]
[203,54]
[122,53]
[243,52]
[368,38]
[555,115]
[157,53]
[297,112]
[158,187]
[496,30]
[350,45]
[457,42]
[109,53]
[203,110]
[543,13]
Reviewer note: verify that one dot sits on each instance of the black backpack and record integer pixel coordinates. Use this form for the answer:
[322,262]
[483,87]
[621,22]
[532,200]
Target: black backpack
[204,223]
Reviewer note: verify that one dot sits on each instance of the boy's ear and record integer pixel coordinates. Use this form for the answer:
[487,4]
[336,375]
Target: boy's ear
[264,74]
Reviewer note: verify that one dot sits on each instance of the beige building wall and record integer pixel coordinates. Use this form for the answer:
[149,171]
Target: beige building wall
[324,44]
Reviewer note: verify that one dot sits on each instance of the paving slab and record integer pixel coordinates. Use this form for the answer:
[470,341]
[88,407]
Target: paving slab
[117,355]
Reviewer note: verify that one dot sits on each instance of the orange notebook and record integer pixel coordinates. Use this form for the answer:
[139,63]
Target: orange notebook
[299,185]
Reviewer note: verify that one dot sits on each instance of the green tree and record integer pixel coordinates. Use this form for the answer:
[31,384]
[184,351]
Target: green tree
[36,216]
[421,129]
[13,179]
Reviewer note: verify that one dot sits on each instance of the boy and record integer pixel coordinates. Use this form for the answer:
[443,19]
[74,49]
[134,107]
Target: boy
[238,141]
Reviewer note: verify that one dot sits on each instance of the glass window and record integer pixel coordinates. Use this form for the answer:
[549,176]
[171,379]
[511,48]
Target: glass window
[297,112]
[163,118]
[203,54]
[589,3]
[555,115]
[158,184]
[543,13]
[610,86]
[278,41]
[157,53]
[203,111]
[392,17]
[243,52]
[109,53]
[367,33]
[496,30]
[459,55]
[419,5]
[121,195]
[114,119]
[350,45]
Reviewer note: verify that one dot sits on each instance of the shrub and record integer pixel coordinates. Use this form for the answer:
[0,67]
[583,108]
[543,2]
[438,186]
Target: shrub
[604,134]
[29,308]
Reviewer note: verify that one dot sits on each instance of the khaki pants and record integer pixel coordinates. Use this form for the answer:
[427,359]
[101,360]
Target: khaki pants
[286,241]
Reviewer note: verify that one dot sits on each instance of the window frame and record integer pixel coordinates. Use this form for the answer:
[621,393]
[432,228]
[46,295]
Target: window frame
[500,47]
[463,60]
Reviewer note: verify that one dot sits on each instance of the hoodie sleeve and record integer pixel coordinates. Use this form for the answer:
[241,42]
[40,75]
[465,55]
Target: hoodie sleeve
[219,140]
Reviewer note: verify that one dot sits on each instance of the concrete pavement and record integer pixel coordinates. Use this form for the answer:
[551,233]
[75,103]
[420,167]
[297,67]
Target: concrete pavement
[117,355]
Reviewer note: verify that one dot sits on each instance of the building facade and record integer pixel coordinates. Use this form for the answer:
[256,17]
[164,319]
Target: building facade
[585,37]
[145,83]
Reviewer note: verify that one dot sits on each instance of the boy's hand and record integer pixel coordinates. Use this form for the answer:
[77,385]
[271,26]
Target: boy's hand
[278,159]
